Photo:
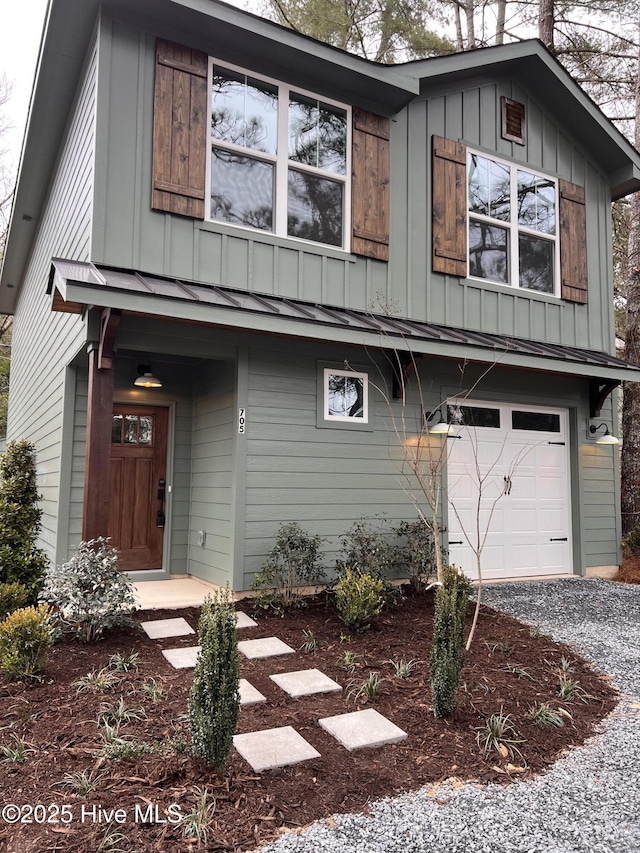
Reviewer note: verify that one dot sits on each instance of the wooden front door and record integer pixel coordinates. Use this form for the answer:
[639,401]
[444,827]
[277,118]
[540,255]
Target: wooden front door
[137,485]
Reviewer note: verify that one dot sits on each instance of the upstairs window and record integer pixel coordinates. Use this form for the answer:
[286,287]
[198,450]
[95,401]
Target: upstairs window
[278,158]
[501,222]
[513,233]
[234,147]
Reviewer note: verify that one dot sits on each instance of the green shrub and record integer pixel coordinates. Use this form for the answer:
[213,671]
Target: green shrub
[25,638]
[370,549]
[20,518]
[294,562]
[12,596]
[631,542]
[418,552]
[359,598]
[214,698]
[89,594]
[447,653]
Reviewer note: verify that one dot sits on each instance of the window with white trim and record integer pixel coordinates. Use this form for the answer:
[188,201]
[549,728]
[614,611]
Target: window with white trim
[280,158]
[513,228]
[346,396]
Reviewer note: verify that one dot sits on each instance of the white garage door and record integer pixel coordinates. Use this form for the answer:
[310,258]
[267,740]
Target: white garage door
[508,481]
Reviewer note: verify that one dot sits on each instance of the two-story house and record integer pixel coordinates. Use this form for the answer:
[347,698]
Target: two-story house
[262,226]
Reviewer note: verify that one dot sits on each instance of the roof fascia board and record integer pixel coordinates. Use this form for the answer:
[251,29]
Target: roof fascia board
[62,57]
[624,181]
[248,40]
[170,308]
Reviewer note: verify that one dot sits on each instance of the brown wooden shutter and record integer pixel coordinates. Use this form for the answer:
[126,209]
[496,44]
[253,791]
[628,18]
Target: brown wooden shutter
[573,242]
[179,130]
[370,185]
[449,206]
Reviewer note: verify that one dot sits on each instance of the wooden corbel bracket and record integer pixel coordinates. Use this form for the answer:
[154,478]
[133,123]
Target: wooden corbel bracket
[109,321]
[404,366]
[598,393]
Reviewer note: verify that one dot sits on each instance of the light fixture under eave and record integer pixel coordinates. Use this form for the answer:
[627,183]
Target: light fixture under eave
[441,427]
[606,437]
[145,378]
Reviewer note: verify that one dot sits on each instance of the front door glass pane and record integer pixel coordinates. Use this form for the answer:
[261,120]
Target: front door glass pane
[145,431]
[131,429]
[116,430]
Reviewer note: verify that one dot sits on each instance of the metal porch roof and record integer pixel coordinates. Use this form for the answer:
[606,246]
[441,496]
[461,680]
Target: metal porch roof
[75,285]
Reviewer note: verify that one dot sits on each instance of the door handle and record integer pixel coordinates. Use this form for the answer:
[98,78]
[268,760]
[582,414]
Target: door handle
[560,539]
[160,518]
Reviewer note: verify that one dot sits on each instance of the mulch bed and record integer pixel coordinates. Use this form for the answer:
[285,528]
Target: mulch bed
[61,728]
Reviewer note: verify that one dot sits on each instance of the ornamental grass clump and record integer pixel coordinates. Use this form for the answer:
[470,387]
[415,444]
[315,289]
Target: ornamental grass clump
[447,653]
[214,698]
[25,638]
[88,592]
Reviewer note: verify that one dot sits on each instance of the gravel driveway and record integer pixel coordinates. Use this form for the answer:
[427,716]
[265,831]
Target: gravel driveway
[588,801]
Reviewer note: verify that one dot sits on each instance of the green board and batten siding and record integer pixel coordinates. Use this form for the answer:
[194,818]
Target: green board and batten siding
[128,234]
[39,374]
[214,420]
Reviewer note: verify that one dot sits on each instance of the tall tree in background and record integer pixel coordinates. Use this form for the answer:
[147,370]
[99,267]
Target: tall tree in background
[381,30]
[631,392]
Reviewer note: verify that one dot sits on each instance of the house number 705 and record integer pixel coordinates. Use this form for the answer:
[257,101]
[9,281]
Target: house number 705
[241,421]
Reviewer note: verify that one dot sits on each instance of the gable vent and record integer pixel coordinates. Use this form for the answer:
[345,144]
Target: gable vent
[512,120]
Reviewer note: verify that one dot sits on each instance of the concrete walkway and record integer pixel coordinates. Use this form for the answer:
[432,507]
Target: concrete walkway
[172,594]
[269,749]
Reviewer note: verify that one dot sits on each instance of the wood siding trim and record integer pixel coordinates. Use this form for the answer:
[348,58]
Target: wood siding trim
[179,130]
[573,242]
[95,515]
[449,193]
[370,185]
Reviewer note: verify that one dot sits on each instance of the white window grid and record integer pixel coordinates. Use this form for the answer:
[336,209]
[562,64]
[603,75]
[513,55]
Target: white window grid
[281,158]
[514,228]
[328,371]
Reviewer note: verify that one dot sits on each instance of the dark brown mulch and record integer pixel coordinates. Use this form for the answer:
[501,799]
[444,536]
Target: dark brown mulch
[507,669]
[629,571]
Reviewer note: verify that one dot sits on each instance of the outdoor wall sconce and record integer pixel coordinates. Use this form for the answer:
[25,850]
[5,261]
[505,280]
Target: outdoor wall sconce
[145,378]
[606,437]
[441,427]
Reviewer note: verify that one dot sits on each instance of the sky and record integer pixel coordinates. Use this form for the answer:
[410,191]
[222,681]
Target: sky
[20,30]
[21,23]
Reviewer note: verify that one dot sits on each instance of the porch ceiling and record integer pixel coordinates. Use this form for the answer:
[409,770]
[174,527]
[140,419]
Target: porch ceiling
[75,286]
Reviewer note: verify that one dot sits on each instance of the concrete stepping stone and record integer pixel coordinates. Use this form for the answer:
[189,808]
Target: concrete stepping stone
[267,647]
[362,729]
[244,621]
[272,748]
[157,629]
[305,682]
[184,658]
[249,695]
